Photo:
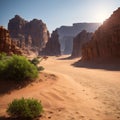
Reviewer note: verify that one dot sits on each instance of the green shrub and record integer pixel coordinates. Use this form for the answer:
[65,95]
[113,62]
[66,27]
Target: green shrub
[40,68]
[25,108]
[36,61]
[17,68]
[3,65]
[3,56]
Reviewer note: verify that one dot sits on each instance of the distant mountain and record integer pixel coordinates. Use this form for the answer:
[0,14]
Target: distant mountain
[72,31]
[23,30]
[105,43]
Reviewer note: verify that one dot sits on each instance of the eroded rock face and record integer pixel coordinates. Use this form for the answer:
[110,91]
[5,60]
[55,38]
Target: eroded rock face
[16,26]
[82,38]
[6,44]
[53,46]
[22,30]
[105,42]
[38,32]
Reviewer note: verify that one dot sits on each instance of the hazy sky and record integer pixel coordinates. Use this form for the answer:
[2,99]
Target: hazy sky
[56,13]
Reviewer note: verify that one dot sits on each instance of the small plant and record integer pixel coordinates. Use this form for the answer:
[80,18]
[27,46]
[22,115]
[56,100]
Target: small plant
[25,108]
[41,68]
[36,61]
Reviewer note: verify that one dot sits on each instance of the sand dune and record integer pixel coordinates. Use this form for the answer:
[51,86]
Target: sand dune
[77,93]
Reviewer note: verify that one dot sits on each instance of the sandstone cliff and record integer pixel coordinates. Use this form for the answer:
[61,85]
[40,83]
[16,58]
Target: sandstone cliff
[6,44]
[105,43]
[52,46]
[82,38]
[22,30]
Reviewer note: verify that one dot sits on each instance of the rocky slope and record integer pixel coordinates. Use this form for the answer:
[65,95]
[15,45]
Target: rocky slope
[71,31]
[22,30]
[105,43]
[6,44]
[52,46]
[82,38]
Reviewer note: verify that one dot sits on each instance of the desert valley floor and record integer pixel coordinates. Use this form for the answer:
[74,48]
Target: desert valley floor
[68,92]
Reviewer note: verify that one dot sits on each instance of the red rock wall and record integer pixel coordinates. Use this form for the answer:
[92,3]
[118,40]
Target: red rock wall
[106,40]
[6,44]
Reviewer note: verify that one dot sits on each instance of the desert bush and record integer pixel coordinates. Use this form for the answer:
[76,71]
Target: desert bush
[36,61]
[25,108]
[3,65]
[17,68]
[40,68]
[3,56]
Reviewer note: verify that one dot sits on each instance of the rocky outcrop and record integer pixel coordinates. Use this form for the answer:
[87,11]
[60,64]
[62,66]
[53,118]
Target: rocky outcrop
[22,30]
[16,26]
[72,31]
[38,32]
[105,43]
[53,46]
[6,44]
[82,38]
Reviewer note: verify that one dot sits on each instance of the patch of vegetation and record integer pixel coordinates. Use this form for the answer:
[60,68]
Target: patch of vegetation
[16,68]
[3,56]
[25,108]
[40,68]
[36,61]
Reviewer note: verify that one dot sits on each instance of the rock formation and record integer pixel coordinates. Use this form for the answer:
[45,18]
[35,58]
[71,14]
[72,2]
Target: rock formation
[105,43]
[71,32]
[22,30]
[82,38]
[53,46]
[6,44]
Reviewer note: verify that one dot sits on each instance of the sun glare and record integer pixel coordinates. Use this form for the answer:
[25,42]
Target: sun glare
[101,17]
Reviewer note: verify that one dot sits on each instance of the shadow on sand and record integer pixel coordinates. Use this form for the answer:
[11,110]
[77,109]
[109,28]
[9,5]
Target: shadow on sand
[10,118]
[112,66]
[8,86]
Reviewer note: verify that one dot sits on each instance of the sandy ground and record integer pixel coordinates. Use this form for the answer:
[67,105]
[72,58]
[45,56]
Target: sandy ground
[77,93]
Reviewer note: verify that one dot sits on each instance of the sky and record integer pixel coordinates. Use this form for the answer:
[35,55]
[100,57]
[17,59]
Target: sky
[56,13]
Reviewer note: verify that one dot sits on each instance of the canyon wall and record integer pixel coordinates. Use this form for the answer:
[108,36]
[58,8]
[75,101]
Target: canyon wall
[105,43]
[67,33]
